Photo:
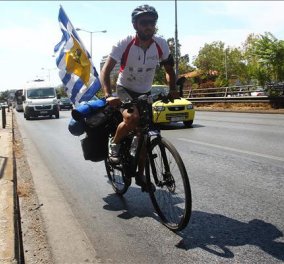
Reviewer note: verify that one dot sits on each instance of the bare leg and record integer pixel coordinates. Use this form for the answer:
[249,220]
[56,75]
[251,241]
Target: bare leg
[130,121]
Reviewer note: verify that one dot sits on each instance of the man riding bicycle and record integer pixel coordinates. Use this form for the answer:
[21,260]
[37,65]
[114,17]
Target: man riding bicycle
[139,56]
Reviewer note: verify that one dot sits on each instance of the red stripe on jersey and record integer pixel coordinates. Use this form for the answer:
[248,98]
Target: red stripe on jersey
[125,55]
[160,52]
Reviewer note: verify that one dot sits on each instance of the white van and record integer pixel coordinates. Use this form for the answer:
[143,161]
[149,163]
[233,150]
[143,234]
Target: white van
[39,99]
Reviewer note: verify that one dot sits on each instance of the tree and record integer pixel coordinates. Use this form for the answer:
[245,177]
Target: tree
[222,65]
[211,58]
[270,53]
[60,91]
[236,65]
[183,67]
[265,58]
[4,96]
[250,58]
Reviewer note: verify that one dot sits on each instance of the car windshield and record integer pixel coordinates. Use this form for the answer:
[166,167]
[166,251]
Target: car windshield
[157,89]
[65,100]
[38,93]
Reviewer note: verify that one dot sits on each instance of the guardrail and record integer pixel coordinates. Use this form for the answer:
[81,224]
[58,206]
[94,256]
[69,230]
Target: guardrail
[274,102]
[236,94]
[234,91]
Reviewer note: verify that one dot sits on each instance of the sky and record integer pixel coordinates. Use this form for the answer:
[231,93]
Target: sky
[29,30]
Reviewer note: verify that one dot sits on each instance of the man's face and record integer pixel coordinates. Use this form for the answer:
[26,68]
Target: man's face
[145,27]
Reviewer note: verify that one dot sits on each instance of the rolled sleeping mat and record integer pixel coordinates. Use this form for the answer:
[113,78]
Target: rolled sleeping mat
[76,128]
[84,110]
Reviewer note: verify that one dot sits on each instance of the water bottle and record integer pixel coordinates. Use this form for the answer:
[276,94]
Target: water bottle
[133,146]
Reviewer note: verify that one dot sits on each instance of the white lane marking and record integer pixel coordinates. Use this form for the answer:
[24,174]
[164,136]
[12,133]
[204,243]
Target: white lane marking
[232,149]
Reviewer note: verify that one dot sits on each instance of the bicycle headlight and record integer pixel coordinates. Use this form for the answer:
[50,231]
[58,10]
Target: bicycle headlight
[159,108]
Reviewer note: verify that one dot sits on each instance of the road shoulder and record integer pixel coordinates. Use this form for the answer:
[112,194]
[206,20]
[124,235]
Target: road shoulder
[65,239]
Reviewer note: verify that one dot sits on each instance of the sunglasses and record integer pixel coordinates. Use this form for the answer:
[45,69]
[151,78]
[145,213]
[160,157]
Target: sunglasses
[146,22]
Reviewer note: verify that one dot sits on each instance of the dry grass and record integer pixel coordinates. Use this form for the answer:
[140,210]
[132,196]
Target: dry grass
[233,106]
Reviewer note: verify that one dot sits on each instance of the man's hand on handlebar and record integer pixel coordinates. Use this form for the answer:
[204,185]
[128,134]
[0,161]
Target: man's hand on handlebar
[173,95]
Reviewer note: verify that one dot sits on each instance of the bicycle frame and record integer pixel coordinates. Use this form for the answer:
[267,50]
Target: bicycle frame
[166,176]
[144,134]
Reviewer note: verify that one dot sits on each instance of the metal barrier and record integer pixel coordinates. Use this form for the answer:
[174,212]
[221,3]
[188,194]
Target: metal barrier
[275,102]
[234,91]
[237,94]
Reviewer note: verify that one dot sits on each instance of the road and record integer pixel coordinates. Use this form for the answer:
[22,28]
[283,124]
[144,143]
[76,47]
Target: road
[236,169]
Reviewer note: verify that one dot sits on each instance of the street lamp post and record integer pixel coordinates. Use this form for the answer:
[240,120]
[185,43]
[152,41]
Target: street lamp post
[176,39]
[91,36]
[48,70]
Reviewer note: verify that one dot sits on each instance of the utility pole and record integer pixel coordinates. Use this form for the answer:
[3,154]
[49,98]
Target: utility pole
[176,39]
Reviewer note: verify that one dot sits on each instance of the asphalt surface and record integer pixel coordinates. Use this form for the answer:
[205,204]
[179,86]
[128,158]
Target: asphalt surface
[235,165]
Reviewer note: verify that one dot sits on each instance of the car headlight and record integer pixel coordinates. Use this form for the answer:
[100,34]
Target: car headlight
[55,101]
[190,106]
[29,102]
[159,108]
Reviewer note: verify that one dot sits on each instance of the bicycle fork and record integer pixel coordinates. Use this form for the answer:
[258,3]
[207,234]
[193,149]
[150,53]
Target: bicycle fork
[167,178]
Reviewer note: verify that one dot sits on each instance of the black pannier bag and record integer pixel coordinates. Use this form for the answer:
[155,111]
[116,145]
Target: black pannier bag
[99,126]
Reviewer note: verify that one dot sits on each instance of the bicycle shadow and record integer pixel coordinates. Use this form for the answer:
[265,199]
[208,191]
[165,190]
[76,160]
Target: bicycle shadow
[133,204]
[177,126]
[214,233]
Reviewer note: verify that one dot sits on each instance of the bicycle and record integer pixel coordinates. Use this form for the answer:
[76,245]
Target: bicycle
[164,169]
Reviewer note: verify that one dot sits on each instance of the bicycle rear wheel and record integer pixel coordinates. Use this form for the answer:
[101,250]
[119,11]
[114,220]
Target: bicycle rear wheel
[117,177]
[172,197]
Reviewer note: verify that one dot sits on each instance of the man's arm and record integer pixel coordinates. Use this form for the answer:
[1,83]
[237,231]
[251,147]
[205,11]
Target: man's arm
[105,75]
[171,77]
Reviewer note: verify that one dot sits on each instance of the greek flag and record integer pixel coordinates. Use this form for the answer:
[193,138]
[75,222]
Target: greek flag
[76,69]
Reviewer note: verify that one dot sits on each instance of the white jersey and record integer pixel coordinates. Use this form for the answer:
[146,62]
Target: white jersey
[137,67]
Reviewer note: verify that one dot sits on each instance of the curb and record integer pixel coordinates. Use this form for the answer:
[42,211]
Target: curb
[8,223]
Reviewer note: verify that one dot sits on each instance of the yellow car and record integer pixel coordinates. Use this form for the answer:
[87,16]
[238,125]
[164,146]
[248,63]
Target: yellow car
[179,110]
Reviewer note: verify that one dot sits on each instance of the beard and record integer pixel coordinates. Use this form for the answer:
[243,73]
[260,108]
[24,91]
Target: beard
[144,36]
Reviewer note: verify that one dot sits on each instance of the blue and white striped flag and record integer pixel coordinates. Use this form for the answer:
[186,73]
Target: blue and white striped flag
[76,69]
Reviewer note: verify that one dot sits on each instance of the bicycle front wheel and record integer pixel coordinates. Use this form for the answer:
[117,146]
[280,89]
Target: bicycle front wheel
[172,196]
